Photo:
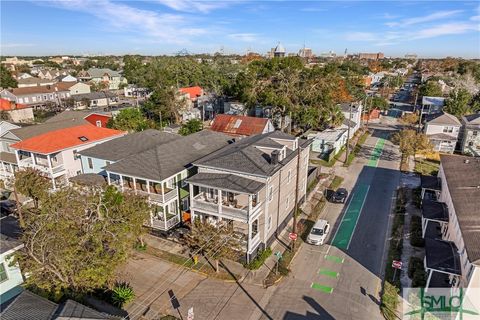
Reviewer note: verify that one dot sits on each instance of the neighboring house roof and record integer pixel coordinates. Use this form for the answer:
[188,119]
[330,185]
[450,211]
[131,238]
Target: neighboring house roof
[434,210]
[68,115]
[345,107]
[38,129]
[93,95]
[38,89]
[8,157]
[462,175]
[6,105]
[193,92]
[130,144]
[245,156]
[329,135]
[33,80]
[61,139]
[29,306]
[6,126]
[436,101]
[100,72]
[88,179]
[349,123]
[445,119]
[227,182]
[167,159]
[10,233]
[430,182]
[472,119]
[238,125]
[443,256]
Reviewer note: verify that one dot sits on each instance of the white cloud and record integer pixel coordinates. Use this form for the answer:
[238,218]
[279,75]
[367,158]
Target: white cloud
[193,6]
[428,18]
[475,18]
[445,29]
[245,37]
[155,26]
[313,9]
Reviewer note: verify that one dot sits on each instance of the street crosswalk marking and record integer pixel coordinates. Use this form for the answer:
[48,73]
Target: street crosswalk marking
[320,287]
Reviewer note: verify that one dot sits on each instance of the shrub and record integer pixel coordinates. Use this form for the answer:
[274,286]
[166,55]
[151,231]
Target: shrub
[122,293]
[389,301]
[416,238]
[259,259]
[419,277]
[413,264]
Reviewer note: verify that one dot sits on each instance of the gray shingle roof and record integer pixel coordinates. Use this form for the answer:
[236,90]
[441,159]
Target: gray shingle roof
[441,136]
[69,115]
[99,72]
[38,129]
[228,182]
[170,158]
[472,119]
[133,143]
[29,306]
[244,155]
[8,157]
[74,310]
[445,118]
[462,175]
[93,95]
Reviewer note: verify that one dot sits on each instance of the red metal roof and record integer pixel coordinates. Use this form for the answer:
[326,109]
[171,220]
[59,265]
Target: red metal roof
[61,139]
[238,125]
[193,92]
[7,105]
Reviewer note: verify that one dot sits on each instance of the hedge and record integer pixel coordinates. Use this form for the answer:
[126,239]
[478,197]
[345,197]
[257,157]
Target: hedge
[259,259]
[416,238]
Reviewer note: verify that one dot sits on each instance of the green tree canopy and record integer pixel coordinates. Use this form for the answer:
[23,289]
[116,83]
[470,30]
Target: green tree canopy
[6,79]
[431,89]
[130,120]
[191,126]
[77,238]
[458,103]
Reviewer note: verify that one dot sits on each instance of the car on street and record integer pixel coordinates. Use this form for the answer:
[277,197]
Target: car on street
[319,232]
[340,196]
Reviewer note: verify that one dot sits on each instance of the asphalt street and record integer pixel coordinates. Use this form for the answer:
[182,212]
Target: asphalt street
[342,279]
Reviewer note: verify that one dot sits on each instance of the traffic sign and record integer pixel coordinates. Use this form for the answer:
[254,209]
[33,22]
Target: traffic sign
[397,264]
[278,254]
[293,236]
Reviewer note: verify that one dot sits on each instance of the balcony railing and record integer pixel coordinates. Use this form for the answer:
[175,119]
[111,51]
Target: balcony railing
[171,194]
[212,207]
[165,224]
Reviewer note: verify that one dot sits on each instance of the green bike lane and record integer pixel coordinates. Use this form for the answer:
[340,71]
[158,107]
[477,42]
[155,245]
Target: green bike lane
[347,226]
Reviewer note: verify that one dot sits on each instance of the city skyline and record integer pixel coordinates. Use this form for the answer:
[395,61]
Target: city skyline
[428,29]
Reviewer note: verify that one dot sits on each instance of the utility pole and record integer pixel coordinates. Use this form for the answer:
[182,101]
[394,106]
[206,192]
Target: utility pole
[296,197]
[160,115]
[348,133]
[420,113]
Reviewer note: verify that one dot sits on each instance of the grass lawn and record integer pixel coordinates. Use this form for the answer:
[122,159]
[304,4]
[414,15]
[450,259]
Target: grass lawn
[426,167]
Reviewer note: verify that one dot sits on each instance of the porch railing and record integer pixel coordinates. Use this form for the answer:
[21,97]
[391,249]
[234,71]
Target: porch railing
[165,224]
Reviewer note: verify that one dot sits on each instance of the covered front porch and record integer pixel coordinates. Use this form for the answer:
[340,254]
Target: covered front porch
[158,191]
[165,216]
[431,187]
[442,264]
[434,218]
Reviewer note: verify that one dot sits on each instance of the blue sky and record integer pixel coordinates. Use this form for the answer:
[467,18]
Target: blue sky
[428,28]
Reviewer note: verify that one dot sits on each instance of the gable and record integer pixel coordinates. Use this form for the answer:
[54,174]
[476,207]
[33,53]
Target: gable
[9,136]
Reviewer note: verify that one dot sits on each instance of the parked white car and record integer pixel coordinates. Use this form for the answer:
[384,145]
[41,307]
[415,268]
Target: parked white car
[319,232]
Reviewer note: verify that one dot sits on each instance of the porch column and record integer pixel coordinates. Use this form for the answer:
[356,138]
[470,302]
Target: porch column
[151,218]
[249,205]
[18,158]
[134,185]
[163,193]
[51,171]
[423,193]
[220,200]
[424,226]
[428,280]
[12,168]
[165,215]
[148,186]
[248,241]
[121,181]
[3,166]
[34,160]
[108,178]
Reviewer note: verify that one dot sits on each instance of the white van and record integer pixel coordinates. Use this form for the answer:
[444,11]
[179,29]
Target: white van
[319,232]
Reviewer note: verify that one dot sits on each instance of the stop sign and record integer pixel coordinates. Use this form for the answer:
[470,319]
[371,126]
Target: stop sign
[397,264]
[292,236]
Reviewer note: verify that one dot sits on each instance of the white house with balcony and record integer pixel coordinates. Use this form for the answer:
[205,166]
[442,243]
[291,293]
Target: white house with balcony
[55,153]
[451,223]
[154,164]
[10,274]
[251,186]
[442,131]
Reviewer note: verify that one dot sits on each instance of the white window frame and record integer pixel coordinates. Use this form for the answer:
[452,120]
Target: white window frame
[270,193]
[98,123]
[289,176]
